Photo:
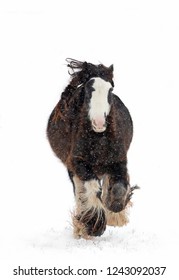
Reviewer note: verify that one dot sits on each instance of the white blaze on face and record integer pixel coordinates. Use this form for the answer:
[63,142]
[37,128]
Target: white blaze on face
[99,105]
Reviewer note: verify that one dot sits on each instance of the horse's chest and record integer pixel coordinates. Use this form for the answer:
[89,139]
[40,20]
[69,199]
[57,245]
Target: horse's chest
[98,150]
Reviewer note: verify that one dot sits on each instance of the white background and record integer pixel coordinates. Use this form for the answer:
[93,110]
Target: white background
[141,39]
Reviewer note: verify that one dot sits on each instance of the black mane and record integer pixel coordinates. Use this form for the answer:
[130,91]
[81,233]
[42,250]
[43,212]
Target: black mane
[84,71]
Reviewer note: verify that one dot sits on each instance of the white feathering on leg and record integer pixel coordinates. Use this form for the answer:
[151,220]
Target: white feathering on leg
[86,202]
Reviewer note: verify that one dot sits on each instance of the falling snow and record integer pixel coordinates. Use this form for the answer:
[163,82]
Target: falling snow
[141,39]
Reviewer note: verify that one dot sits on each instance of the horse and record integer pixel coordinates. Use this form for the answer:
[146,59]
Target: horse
[90,130]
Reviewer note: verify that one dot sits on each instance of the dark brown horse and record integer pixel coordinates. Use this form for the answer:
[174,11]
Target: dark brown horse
[90,130]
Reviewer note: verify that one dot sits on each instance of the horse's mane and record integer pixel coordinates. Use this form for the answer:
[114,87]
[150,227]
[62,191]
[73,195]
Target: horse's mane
[81,72]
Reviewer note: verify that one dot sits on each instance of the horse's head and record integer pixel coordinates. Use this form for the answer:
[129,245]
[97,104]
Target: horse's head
[98,95]
[98,83]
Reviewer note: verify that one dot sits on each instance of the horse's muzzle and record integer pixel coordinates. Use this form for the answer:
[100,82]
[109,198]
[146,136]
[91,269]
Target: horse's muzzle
[99,125]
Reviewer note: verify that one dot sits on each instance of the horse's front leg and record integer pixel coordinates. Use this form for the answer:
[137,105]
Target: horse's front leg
[117,190]
[116,195]
[89,219]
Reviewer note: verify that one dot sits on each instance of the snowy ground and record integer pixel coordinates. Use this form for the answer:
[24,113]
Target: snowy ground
[141,39]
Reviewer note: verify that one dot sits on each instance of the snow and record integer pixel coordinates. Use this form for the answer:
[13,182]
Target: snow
[141,39]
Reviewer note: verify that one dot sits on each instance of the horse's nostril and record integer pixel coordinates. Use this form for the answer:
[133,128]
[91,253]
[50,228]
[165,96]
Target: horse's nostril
[94,123]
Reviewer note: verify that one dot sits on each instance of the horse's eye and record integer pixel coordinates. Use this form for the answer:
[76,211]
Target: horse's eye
[88,95]
[110,96]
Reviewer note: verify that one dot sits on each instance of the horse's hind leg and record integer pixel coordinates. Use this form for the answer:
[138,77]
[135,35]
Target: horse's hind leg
[89,218]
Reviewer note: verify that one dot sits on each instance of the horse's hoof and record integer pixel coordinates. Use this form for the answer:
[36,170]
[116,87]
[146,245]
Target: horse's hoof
[94,221]
[116,206]
[97,225]
[116,197]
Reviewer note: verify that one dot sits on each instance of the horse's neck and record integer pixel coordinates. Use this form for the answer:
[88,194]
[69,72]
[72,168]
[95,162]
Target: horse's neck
[75,82]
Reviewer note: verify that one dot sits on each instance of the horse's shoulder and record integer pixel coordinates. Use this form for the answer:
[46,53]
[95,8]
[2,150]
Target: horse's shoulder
[118,102]
[121,108]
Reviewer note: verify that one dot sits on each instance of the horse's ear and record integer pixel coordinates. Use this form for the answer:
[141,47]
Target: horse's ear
[111,68]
